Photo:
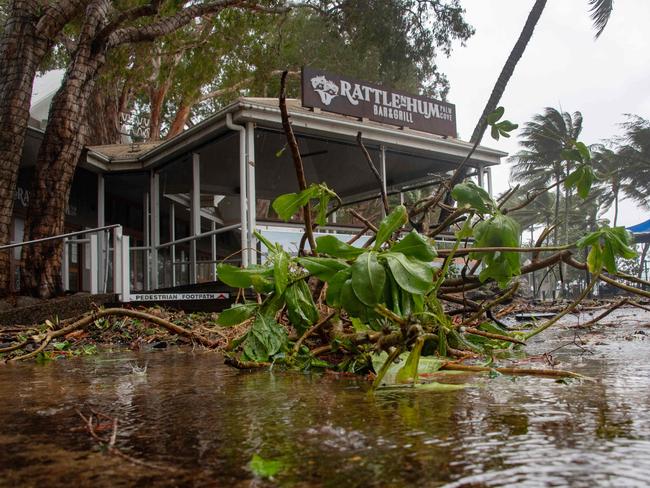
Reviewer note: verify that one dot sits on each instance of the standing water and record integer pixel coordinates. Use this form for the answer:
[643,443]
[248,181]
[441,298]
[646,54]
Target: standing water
[189,412]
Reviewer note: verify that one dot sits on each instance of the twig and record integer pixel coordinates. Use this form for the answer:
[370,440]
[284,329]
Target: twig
[85,321]
[467,250]
[110,443]
[567,310]
[491,304]
[310,331]
[618,304]
[490,335]
[516,371]
[297,160]
[384,197]
[364,220]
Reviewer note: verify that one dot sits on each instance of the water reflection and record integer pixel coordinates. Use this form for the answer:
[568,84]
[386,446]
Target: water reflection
[192,412]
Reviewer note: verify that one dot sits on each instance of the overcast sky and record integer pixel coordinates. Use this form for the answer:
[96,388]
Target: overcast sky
[563,67]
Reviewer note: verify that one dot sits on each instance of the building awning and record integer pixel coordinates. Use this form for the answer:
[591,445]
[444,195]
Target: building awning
[641,232]
[326,140]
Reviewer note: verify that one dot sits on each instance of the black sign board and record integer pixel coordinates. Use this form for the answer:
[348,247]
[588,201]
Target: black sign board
[342,95]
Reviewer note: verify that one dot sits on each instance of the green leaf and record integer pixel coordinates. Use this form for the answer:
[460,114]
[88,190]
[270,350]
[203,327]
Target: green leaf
[237,314]
[409,372]
[321,208]
[499,231]
[609,258]
[280,271]
[390,224]
[301,308]
[257,276]
[322,268]
[584,151]
[415,245]
[469,194]
[368,279]
[595,259]
[265,468]
[496,115]
[507,126]
[606,245]
[288,204]
[351,303]
[334,287]
[333,246]
[412,276]
[265,338]
[571,154]
[494,132]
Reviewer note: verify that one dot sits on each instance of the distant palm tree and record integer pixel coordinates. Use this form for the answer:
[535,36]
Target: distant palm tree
[541,163]
[624,169]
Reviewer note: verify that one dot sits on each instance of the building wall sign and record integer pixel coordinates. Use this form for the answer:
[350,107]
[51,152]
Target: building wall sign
[342,95]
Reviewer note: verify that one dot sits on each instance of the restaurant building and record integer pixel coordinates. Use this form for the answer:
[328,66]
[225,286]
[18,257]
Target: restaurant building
[189,202]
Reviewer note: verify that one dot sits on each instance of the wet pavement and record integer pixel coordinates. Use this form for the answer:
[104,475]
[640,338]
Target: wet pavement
[191,413]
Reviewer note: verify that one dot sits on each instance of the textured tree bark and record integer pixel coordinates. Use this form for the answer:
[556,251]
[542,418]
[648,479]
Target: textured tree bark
[102,118]
[58,157]
[64,138]
[27,38]
[178,124]
[21,52]
[157,100]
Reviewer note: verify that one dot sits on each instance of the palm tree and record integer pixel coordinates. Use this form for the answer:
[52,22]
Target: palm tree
[600,10]
[541,163]
[624,169]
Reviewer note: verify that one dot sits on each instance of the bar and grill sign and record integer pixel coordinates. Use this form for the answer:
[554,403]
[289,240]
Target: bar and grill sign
[338,94]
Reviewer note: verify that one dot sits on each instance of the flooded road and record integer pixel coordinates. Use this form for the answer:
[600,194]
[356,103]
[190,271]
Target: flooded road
[206,420]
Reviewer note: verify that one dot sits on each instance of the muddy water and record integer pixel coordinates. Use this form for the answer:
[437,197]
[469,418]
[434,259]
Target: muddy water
[191,412]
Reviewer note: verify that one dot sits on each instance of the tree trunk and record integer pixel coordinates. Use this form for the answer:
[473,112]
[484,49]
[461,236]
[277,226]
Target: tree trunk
[182,114]
[156,100]
[21,52]
[500,87]
[508,68]
[103,118]
[57,160]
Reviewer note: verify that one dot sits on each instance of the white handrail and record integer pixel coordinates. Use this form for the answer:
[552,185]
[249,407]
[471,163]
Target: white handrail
[61,236]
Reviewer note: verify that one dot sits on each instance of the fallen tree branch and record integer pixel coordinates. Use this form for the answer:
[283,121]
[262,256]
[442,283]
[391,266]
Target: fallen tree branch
[555,373]
[297,160]
[380,181]
[618,304]
[310,331]
[45,339]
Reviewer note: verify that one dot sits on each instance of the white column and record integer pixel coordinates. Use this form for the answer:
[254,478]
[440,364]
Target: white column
[172,238]
[65,267]
[250,180]
[195,212]
[117,260]
[479,172]
[155,227]
[213,265]
[488,174]
[101,222]
[94,265]
[125,273]
[146,219]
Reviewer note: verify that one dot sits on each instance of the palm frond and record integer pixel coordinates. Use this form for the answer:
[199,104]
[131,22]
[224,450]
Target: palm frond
[601,11]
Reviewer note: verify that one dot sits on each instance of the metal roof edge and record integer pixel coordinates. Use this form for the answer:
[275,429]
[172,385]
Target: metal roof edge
[215,122]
